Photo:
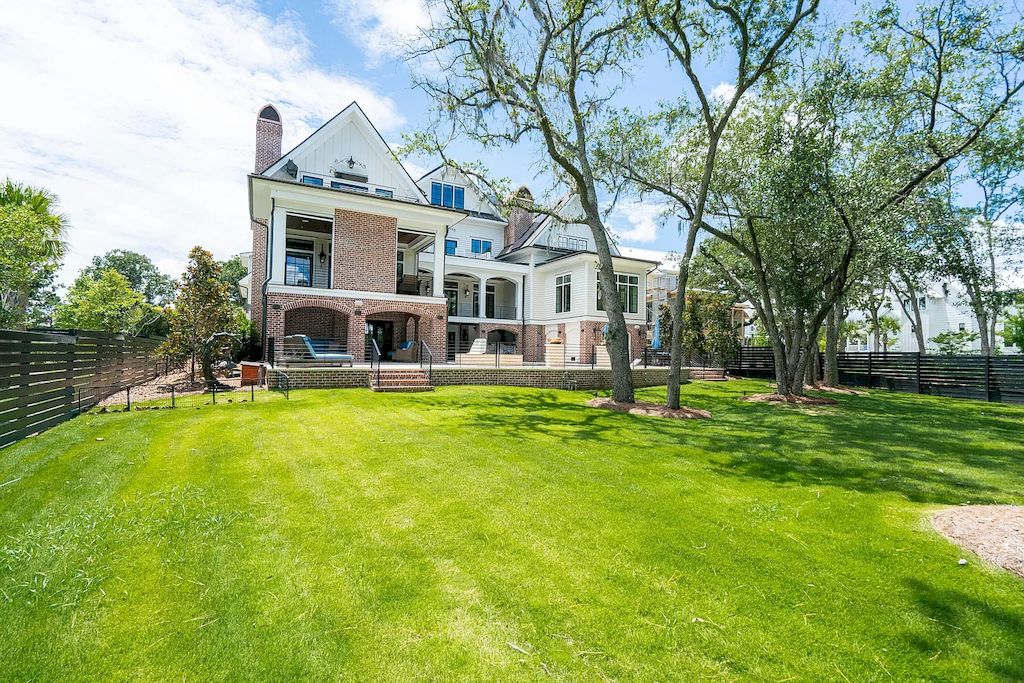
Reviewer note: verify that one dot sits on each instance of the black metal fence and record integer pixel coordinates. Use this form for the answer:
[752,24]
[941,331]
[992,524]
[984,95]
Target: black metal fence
[170,396]
[985,378]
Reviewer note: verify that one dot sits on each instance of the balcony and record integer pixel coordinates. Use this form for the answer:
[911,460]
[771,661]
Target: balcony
[469,310]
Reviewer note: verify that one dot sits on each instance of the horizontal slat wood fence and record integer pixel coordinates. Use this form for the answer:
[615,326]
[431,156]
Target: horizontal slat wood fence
[993,378]
[49,377]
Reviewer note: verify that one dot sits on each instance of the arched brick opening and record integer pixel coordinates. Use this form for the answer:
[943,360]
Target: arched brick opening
[316,322]
[411,322]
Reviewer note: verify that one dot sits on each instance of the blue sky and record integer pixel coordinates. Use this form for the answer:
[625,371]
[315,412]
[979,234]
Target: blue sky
[141,116]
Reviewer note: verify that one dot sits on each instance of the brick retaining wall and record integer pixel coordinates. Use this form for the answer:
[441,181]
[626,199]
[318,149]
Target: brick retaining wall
[541,378]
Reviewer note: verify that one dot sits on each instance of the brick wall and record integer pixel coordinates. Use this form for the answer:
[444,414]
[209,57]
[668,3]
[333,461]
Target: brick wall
[365,249]
[317,322]
[319,378]
[287,312]
[258,275]
[268,143]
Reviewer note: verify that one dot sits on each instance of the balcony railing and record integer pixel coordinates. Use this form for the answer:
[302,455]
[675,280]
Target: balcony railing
[468,310]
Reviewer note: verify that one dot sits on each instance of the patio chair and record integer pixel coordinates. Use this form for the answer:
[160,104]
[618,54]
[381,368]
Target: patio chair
[406,352]
[322,355]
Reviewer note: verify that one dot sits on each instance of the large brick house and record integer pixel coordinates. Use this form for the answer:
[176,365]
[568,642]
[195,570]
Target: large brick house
[347,246]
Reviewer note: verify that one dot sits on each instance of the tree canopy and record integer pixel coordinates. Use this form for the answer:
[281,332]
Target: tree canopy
[31,249]
[142,274]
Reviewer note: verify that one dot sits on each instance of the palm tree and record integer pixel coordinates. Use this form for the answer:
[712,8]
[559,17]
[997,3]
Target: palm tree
[32,243]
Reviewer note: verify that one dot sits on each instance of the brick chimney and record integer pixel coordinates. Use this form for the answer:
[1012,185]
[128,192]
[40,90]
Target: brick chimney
[268,138]
[519,219]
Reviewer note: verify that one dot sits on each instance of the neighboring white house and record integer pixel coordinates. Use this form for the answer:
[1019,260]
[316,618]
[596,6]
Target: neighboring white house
[943,308]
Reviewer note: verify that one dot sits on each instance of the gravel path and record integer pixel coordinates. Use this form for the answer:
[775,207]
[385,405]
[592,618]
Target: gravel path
[994,532]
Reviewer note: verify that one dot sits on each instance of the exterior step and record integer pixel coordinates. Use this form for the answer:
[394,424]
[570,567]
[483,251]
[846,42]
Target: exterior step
[405,381]
[397,388]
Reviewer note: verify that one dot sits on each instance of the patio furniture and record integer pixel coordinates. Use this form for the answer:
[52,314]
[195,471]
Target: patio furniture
[406,352]
[318,352]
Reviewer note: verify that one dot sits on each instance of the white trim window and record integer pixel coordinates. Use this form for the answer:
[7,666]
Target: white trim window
[446,194]
[563,293]
[629,292]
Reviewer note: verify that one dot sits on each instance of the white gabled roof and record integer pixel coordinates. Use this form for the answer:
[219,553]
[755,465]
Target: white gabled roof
[350,133]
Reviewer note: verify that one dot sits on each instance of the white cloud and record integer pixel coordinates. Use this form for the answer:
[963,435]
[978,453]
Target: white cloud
[381,28]
[723,91]
[141,116]
[644,219]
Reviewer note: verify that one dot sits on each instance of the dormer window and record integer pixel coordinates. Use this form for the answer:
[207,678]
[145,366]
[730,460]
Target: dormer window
[445,194]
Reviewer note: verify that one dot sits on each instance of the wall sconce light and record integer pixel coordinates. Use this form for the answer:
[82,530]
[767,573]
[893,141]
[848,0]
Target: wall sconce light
[358,306]
[323,255]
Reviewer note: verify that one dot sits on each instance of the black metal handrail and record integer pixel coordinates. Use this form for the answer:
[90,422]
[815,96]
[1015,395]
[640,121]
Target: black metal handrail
[375,357]
[430,360]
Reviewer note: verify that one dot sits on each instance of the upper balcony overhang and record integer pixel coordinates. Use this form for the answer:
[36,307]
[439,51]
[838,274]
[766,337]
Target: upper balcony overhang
[264,192]
[465,264]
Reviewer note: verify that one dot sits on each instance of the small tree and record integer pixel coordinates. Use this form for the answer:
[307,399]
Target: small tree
[951,343]
[202,309]
[665,326]
[1013,330]
[108,303]
[232,271]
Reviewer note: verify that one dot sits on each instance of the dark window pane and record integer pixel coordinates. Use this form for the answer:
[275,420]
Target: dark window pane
[447,196]
[460,198]
[435,194]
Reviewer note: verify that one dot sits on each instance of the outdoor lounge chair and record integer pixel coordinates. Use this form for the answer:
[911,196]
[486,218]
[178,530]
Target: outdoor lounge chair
[406,352]
[323,355]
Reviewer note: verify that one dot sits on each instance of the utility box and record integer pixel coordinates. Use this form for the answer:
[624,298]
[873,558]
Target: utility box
[252,373]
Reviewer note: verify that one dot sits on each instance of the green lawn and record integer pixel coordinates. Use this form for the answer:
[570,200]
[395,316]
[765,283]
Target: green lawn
[509,534]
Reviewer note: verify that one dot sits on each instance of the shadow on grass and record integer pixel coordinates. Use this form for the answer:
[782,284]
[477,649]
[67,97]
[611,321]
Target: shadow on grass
[962,620]
[927,449]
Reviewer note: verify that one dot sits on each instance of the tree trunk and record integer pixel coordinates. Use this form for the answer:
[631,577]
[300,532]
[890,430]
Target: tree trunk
[918,326]
[678,308]
[617,339]
[832,324]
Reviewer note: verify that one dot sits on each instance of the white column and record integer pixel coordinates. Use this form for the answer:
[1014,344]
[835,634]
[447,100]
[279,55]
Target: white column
[483,296]
[439,262]
[278,248]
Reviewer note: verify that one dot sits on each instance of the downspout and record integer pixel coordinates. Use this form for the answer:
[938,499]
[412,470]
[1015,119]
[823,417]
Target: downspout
[270,273]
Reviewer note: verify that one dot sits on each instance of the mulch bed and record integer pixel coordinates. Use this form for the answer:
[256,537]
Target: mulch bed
[790,398]
[993,532]
[650,409]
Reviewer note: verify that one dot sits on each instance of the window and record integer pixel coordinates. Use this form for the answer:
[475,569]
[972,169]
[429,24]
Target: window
[298,269]
[629,292]
[563,293]
[299,245]
[450,246]
[384,193]
[400,268]
[348,186]
[962,327]
[443,194]
[312,180]
[923,302]
[571,243]
[479,246]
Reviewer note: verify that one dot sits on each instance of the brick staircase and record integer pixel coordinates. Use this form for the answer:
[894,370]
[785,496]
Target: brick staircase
[707,374]
[401,381]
